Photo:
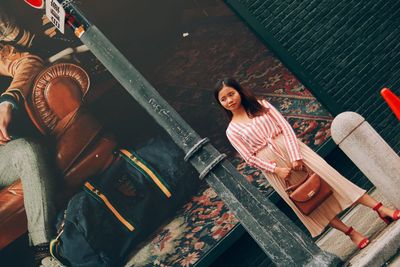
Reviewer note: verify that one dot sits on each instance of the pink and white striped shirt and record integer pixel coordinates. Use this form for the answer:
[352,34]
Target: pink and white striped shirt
[249,137]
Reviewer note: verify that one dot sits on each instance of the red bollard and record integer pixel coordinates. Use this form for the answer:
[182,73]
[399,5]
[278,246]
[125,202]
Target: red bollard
[392,100]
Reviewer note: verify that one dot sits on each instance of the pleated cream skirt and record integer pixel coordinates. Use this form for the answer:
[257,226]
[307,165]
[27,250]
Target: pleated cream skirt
[345,193]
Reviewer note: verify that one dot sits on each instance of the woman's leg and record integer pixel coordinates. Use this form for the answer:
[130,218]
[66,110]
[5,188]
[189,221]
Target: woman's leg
[370,202]
[355,236]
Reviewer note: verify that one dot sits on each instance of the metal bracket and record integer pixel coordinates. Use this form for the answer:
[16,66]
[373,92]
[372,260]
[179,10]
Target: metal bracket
[195,148]
[211,166]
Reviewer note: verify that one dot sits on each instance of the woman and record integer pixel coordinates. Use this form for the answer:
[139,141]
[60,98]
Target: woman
[266,140]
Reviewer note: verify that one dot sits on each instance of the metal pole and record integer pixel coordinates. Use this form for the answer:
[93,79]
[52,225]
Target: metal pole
[283,242]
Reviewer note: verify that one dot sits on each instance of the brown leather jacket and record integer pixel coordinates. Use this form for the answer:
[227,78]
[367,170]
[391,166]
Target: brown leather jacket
[22,67]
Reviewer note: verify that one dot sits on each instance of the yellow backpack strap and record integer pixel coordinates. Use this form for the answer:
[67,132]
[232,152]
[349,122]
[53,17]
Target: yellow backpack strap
[104,199]
[146,170]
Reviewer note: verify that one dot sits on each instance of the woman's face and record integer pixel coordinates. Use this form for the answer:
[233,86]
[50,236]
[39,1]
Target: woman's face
[229,98]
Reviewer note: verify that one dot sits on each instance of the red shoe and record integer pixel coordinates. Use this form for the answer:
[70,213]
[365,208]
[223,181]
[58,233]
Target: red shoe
[363,243]
[387,219]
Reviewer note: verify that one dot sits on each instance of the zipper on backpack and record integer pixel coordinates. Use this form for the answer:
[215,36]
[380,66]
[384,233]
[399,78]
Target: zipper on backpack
[137,163]
[113,210]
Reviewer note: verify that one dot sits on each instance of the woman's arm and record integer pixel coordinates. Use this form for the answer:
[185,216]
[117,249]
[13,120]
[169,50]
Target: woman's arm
[241,147]
[291,142]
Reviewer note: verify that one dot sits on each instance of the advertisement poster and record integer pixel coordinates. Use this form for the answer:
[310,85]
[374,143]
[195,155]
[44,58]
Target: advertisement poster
[182,48]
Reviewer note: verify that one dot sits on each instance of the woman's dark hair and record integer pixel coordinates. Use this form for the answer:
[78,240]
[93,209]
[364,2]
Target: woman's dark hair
[249,100]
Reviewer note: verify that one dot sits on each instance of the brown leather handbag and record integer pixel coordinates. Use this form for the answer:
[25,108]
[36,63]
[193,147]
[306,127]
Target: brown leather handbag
[310,193]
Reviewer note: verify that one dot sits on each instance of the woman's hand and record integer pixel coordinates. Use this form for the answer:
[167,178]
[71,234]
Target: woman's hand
[298,165]
[282,172]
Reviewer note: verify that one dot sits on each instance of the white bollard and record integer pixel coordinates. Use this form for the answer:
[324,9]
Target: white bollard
[369,152]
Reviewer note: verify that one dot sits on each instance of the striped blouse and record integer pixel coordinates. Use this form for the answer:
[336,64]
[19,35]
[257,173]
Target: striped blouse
[249,137]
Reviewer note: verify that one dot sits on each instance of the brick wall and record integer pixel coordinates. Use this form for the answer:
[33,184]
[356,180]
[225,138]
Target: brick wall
[346,49]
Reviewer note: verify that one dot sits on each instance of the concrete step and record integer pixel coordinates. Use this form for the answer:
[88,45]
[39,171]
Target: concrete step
[363,219]
[382,248]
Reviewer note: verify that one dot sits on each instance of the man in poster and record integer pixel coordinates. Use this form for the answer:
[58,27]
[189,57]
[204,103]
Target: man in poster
[25,158]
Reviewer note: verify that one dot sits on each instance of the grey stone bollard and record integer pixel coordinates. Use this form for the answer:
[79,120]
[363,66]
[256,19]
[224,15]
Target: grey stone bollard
[369,152]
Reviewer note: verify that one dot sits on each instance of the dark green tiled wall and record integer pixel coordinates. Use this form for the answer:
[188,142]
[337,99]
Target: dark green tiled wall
[347,49]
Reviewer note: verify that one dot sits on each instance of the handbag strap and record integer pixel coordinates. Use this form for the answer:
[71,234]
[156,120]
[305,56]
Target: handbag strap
[289,187]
